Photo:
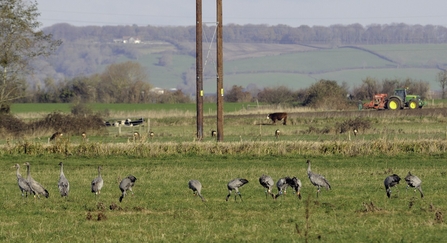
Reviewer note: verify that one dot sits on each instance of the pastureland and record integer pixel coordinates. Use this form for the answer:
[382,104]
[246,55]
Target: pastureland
[163,209]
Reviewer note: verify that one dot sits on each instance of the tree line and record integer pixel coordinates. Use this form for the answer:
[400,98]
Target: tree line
[128,83]
[353,34]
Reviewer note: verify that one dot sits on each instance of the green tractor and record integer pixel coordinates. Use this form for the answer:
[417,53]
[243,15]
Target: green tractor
[401,100]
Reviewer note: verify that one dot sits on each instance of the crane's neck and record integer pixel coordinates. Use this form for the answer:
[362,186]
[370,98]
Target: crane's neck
[18,172]
[62,169]
[27,171]
[308,168]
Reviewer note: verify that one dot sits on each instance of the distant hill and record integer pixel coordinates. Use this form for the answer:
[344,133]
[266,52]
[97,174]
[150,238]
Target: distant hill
[168,54]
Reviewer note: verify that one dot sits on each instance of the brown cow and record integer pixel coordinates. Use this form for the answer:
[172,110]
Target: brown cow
[278,116]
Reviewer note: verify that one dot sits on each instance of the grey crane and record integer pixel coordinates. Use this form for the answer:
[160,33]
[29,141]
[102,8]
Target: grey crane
[63,184]
[285,182]
[127,184]
[97,183]
[23,184]
[267,182]
[414,181]
[389,182]
[35,186]
[295,183]
[317,180]
[235,184]
[196,188]
[282,185]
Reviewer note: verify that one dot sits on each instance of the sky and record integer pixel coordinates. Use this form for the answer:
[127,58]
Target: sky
[293,13]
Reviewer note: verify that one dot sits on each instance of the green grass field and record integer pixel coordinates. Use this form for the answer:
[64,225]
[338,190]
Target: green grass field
[163,209]
[20,108]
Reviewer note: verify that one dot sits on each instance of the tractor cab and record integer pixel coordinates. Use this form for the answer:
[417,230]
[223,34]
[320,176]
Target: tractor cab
[402,93]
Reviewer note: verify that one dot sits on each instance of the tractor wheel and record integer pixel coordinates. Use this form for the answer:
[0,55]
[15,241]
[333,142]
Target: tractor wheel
[413,105]
[394,104]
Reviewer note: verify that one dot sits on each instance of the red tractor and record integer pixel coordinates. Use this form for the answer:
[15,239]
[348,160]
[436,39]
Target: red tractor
[379,102]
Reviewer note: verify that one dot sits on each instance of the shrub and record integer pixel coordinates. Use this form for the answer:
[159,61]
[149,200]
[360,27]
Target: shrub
[358,123]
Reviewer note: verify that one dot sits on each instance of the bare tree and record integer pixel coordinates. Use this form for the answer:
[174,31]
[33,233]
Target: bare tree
[237,94]
[20,42]
[442,80]
[123,82]
[276,95]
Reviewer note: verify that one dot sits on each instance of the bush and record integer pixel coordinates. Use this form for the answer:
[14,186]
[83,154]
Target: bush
[74,124]
[326,94]
[357,123]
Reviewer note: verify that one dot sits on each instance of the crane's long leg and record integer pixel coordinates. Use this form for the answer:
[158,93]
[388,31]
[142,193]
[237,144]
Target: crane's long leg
[228,196]
[239,196]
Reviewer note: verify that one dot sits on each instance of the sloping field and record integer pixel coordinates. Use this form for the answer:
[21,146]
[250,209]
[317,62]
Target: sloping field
[298,66]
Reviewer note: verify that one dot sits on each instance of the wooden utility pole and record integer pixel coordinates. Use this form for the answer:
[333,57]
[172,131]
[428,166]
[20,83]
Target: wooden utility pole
[199,70]
[220,91]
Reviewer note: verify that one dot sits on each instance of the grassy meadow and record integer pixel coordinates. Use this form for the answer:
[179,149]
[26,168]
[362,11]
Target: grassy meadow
[163,209]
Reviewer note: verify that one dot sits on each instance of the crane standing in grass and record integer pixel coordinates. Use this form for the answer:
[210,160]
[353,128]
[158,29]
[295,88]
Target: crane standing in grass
[196,188]
[282,185]
[389,182]
[127,184]
[35,186]
[267,182]
[23,184]
[285,182]
[97,183]
[414,181]
[316,179]
[235,185]
[63,184]
[295,183]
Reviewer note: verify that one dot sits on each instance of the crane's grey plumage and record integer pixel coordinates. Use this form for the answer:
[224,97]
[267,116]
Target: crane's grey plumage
[35,186]
[196,188]
[295,183]
[285,182]
[23,184]
[389,182]
[267,182]
[235,185]
[97,183]
[316,179]
[63,184]
[282,185]
[127,184]
[414,181]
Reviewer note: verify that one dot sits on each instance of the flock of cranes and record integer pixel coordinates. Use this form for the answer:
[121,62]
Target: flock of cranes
[315,179]
[30,186]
